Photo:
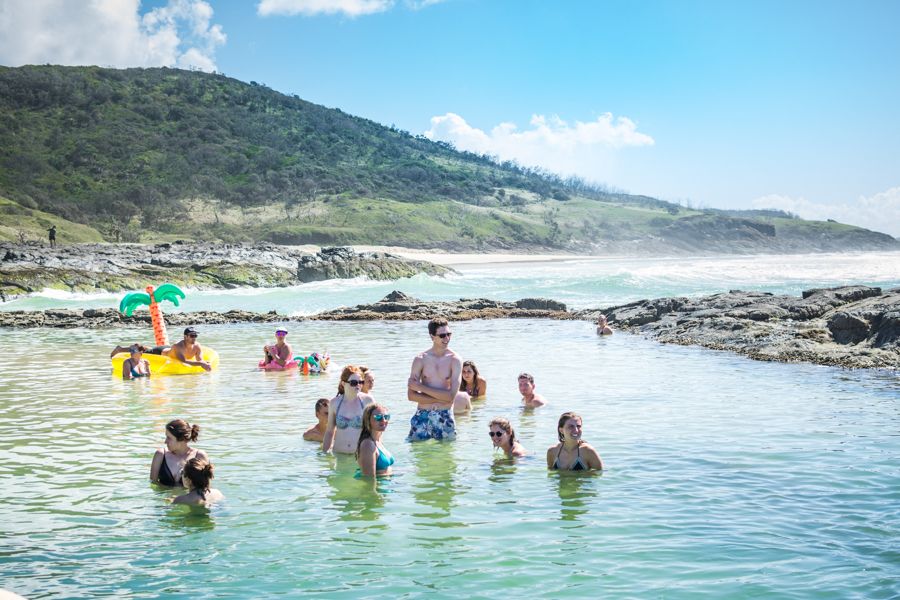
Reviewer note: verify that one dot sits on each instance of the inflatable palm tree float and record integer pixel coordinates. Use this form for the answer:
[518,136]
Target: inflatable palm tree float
[159,364]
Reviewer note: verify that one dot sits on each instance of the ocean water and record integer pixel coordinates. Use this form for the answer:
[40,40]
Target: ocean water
[579,282]
[725,477]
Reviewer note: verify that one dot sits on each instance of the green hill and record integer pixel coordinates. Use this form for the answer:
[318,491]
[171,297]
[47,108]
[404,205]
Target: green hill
[156,154]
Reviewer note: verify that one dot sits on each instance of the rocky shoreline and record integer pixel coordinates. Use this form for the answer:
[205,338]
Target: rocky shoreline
[26,268]
[854,327]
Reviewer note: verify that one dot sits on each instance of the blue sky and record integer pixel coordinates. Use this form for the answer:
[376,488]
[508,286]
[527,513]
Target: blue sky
[722,104]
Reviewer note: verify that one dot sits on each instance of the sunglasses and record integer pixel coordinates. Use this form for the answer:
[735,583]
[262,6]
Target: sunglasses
[495,433]
[444,335]
[380,418]
[355,382]
[192,335]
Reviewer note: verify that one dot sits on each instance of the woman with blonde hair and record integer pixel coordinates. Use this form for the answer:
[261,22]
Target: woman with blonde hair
[572,453]
[345,413]
[504,437]
[371,455]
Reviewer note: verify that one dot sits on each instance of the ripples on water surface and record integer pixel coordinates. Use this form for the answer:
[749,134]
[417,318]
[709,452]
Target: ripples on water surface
[726,477]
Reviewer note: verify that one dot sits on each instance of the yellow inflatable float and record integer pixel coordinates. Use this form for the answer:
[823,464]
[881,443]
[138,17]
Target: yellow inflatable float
[160,364]
[163,365]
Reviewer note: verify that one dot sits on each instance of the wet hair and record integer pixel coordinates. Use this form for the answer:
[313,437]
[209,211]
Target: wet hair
[136,348]
[182,431]
[562,423]
[527,376]
[462,382]
[366,432]
[364,369]
[345,375]
[322,403]
[506,426]
[435,324]
[601,316]
[200,472]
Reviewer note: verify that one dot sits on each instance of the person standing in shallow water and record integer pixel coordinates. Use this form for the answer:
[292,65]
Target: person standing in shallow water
[526,387]
[433,384]
[603,327]
[572,453]
[168,462]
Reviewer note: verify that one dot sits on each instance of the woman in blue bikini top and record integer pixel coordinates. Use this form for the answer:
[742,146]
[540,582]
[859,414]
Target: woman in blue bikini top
[371,455]
[135,366]
[345,413]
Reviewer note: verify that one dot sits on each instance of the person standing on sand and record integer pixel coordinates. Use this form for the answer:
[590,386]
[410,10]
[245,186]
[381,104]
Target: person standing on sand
[526,387]
[433,384]
[51,234]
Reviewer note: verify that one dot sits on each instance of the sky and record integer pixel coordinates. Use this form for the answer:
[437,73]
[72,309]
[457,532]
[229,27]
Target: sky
[737,104]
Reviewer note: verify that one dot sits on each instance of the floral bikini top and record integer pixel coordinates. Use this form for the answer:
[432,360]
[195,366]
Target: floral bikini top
[343,422]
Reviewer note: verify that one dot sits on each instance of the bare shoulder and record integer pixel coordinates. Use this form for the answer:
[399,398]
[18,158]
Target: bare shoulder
[366,398]
[201,454]
[368,445]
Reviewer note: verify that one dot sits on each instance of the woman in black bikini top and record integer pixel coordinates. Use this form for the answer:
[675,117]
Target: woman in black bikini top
[168,462]
[572,453]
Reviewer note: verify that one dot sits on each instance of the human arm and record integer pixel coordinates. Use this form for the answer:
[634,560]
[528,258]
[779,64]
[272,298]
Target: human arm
[179,354]
[442,395]
[538,400]
[591,457]
[366,460]
[328,438]
[155,465]
[283,355]
[147,366]
[551,456]
[482,387]
[126,368]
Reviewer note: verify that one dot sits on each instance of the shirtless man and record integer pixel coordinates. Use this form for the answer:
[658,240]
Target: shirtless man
[526,388]
[280,352]
[433,384]
[188,350]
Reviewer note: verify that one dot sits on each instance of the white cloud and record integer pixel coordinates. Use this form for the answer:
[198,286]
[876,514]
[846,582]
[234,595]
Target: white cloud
[880,212]
[351,8]
[109,33]
[587,149]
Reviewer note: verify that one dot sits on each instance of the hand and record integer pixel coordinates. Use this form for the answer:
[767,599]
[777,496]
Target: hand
[206,366]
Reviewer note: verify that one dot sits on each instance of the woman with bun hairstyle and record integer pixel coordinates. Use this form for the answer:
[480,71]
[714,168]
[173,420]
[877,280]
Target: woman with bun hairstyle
[371,455]
[168,462]
[504,437]
[345,413]
[198,472]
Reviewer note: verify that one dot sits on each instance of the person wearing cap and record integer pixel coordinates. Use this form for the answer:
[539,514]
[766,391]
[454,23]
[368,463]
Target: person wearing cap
[188,350]
[280,352]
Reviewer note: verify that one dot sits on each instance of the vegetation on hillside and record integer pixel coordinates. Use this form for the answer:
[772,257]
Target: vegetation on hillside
[149,154]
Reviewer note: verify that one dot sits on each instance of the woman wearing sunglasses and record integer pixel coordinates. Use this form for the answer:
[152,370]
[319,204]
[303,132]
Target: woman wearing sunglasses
[345,412]
[371,455]
[504,437]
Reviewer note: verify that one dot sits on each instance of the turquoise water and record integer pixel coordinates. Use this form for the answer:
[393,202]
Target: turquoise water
[581,283]
[725,477]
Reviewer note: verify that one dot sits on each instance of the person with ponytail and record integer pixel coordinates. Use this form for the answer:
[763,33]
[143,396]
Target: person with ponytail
[504,437]
[198,472]
[168,462]
[371,455]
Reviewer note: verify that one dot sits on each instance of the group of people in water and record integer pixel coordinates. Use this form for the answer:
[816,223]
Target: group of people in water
[187,350]
[440,383]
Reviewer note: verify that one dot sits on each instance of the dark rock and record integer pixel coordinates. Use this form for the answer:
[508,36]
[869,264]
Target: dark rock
[398,296]
[847,328]
[540,304]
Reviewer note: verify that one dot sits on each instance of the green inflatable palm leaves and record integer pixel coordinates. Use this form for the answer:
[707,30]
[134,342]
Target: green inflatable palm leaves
[168,292]
[133,301]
